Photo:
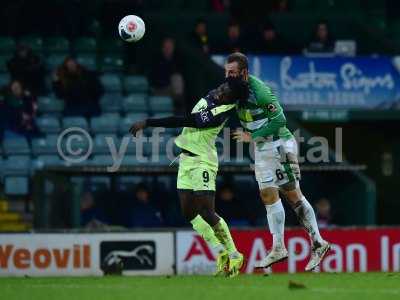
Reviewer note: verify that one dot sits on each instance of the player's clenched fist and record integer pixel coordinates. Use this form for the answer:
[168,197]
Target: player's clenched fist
[137,127]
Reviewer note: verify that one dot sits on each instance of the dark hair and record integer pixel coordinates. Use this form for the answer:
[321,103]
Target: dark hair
[269,26]
[141,186]
[322,22]
[240,58]
[233,23]
[200,21]
[239,88]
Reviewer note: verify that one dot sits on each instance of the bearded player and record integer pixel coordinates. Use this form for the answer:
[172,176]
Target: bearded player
[276,164]
[198,166]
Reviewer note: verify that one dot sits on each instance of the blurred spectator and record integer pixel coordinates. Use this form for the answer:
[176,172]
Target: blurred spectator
[19,107]
[200,36]
[234,42]
[322,40]
[78,87]
[91,215]
[166,74]
[392,10]
[27,67]
[323,211]
[229,207]
[281,6]
[271,42]
[220,5]
[144,213]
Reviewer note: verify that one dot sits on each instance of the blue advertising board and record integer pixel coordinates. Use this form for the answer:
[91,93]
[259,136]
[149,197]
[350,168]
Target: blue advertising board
[329,82]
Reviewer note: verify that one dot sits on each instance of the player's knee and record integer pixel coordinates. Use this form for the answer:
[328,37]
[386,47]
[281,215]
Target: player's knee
[269,195]
[293,196]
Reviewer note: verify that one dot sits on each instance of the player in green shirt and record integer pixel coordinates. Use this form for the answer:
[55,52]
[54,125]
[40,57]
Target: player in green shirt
[198,166]
[276,164]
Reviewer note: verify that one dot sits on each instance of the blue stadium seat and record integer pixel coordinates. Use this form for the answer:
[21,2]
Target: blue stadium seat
[164,144]
[43,161]
[48,124]
[84,45]
[89,61]
[136,84]
[34,42]
[161,115]
[129,119]
[56,45]
[45,145]
[135,103]
[112,63]
[105,124]
[79,142]
[7,44]
[4,79]
[130,161]
[16,185]
[111,83]
[112,46]
[160,161]
[131,145]
[3,63]
[80,122]
[102,161]
[54,60]
[17,165]
[161,104]
[101,146]
[111,102]
[49,105]
[16,146]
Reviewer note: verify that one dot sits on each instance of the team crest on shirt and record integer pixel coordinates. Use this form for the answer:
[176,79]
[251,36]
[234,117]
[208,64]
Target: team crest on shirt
[271,107]
[204,115]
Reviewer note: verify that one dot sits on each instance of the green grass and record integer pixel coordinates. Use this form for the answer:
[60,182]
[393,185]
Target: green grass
[317,286]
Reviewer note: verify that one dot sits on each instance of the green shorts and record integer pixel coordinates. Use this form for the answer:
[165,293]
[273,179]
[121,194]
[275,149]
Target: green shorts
[195,174]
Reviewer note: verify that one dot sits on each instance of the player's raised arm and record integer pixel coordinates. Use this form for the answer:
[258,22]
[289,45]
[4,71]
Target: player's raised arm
[205,119]
[223,101]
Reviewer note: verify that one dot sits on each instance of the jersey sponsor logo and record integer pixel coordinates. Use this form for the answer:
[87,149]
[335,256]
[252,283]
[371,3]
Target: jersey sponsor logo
[201,105]
[204,116]
[271,107]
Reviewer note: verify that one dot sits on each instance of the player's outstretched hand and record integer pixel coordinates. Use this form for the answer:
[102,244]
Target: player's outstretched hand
[137,127]
[241,136]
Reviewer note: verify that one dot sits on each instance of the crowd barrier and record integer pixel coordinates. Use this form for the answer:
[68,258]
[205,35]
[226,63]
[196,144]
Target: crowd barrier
[184,252]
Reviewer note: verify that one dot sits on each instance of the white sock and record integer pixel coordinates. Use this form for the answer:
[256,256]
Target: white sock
[276,223]
[306,215]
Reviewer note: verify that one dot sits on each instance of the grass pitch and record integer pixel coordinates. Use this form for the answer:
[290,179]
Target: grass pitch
[297,286]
